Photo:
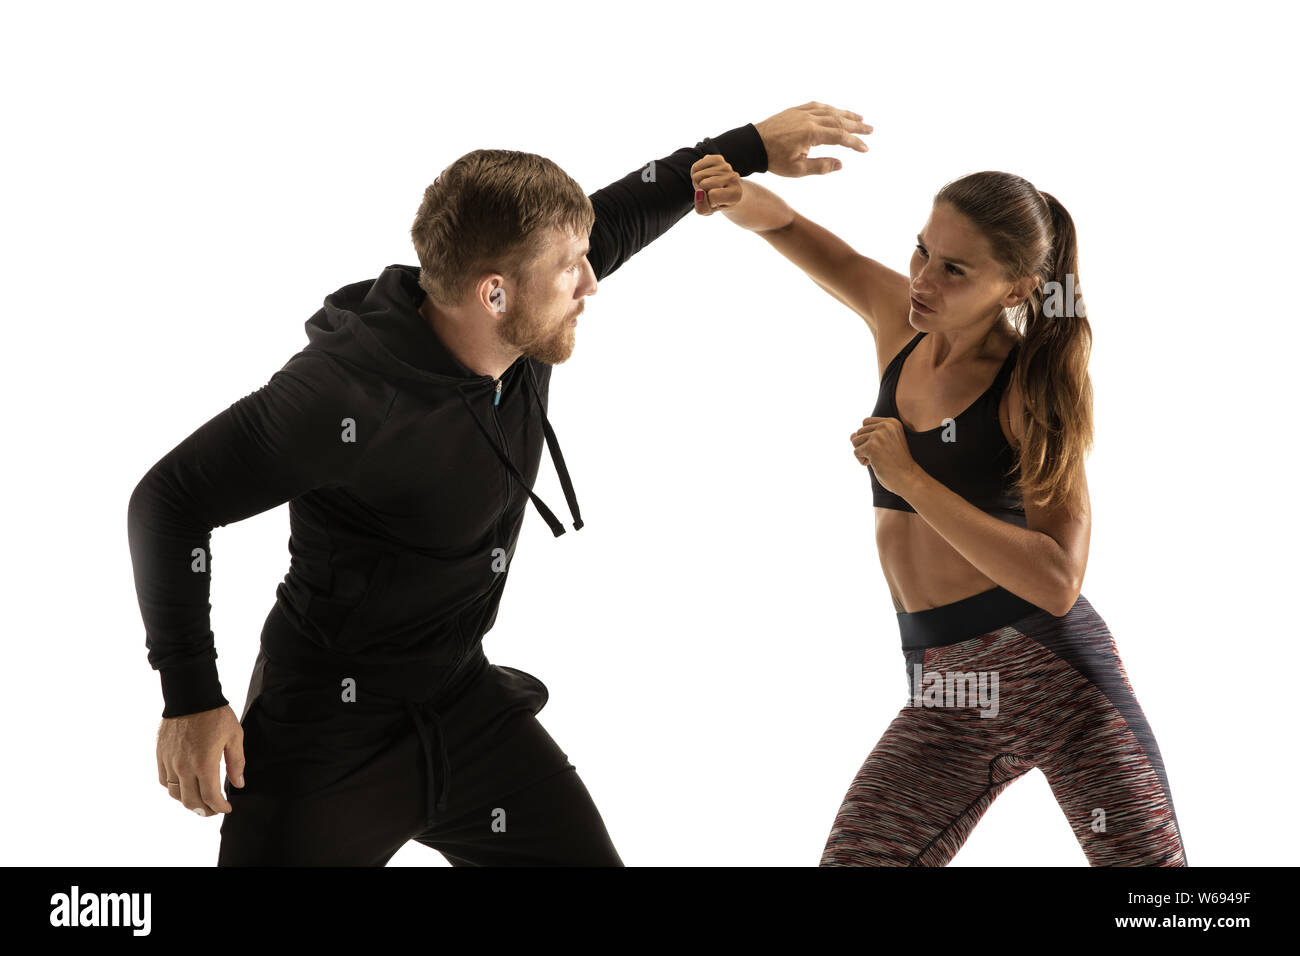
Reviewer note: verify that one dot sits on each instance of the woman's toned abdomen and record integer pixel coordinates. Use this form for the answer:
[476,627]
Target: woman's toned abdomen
[921,568]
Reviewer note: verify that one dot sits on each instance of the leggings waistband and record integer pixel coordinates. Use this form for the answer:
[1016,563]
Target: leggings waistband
[961,620]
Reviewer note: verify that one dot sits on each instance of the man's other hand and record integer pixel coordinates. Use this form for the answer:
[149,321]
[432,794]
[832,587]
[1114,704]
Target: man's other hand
[189,758]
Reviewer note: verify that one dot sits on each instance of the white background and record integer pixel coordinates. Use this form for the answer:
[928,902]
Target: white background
[184,185]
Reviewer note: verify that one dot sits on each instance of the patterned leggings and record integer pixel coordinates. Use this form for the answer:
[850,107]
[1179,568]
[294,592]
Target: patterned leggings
[1039,691]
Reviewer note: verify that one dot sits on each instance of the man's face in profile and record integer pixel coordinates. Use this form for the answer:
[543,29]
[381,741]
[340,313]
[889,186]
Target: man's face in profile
[541,319]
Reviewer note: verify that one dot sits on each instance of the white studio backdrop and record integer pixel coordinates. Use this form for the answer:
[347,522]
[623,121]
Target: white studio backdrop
[184,184]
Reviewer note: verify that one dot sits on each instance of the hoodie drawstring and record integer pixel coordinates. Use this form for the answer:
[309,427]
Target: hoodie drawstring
[557,458]
[557,528]
[437,780]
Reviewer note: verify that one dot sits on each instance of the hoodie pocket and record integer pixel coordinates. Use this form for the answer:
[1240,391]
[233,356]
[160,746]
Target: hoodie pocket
[357,624]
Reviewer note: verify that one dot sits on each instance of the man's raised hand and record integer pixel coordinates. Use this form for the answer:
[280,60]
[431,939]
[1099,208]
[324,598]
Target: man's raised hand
[789,135]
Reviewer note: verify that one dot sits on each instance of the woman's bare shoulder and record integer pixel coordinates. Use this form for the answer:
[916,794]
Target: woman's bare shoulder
[893,332]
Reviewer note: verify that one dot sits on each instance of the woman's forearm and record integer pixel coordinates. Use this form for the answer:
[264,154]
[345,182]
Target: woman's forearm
[1027,563]
[759,209]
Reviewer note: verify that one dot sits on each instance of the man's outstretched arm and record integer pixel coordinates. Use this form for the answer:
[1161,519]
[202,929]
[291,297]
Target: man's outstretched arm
[633,211]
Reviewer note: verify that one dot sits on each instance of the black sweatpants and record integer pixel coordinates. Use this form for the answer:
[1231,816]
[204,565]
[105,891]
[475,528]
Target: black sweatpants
[333,782]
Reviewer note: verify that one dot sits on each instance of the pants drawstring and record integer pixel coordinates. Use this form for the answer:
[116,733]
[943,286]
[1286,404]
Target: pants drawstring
[437,780]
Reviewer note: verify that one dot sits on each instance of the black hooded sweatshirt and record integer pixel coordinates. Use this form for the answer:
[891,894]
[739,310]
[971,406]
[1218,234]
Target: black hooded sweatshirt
[406,473]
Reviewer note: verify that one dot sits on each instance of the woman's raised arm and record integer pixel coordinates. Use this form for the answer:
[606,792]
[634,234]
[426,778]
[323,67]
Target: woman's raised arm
[878,294]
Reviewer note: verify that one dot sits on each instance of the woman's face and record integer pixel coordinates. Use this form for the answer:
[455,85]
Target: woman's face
[954,280]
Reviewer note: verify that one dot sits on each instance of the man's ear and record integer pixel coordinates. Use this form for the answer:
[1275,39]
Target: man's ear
[492,293]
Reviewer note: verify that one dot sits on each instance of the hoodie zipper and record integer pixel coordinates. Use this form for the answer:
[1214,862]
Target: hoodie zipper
[496,417]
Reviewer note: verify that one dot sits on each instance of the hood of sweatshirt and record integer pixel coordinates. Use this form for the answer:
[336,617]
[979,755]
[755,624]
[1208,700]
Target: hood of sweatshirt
[375,324]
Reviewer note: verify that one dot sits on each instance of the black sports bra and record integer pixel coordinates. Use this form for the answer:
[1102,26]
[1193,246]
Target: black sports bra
[968,454]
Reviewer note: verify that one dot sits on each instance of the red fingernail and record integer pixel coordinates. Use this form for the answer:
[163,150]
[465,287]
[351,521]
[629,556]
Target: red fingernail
[699,194]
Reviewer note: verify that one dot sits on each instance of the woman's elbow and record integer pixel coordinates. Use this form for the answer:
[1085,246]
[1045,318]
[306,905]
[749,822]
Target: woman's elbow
[1067,594]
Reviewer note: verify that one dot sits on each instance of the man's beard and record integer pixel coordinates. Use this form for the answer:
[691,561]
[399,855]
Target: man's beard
[532,339]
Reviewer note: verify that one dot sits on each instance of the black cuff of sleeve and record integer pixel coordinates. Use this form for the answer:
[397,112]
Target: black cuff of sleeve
[191,688]
[742,148]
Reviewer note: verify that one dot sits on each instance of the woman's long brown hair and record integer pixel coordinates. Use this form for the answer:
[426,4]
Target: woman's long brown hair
[1032,234]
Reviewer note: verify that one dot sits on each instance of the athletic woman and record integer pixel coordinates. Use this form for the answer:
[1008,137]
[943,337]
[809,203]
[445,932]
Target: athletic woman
[976,451]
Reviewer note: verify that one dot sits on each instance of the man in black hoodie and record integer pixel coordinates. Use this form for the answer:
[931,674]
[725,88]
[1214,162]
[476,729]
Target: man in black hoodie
[406,438]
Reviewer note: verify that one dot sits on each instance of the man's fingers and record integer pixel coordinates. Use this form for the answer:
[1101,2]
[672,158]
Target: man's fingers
[836,135]
[843,116]
[210,790]
[845,138]
[191,797]
[828,117]
[830,135]
[853,121]
[235,762]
